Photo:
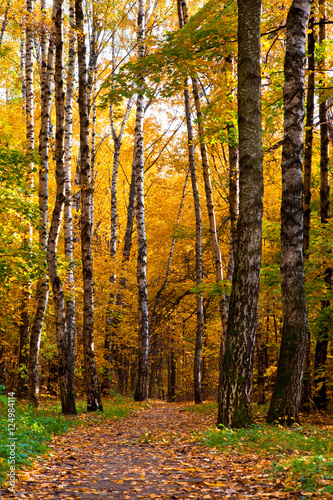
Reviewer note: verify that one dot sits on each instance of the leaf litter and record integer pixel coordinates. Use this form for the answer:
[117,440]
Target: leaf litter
[154,453]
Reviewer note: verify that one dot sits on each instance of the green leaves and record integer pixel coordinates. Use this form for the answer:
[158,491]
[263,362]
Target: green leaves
[19,258]
[208,36]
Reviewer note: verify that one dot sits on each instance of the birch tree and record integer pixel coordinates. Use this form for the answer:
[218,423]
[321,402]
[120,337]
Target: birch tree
[141,390]
[28,92]
[94,401]
[42,293]
[68,219]
[286,396]
[66,368]
[235,385]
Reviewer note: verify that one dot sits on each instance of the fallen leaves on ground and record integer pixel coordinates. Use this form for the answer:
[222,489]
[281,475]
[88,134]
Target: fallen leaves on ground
[152,454]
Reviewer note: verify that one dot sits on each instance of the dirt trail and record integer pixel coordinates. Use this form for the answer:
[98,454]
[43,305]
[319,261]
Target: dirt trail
[151,454]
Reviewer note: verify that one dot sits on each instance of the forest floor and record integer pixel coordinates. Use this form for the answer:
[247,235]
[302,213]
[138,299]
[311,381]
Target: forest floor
[154,453]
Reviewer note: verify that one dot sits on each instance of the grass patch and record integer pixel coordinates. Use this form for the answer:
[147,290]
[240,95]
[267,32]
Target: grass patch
[35,428]
[302,457]
[203,409]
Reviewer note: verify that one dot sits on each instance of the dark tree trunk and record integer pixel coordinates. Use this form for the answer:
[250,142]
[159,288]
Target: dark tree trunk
[286,396]
[66,373]
[235,385]
[307,167]
[94,401]
[42,293]
[320,398]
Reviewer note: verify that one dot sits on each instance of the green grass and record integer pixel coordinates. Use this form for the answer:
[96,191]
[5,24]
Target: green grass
[204,409]
[302,457]
[35,428]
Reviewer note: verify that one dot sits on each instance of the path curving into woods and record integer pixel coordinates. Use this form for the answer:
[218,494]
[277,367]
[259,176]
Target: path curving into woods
[151,454]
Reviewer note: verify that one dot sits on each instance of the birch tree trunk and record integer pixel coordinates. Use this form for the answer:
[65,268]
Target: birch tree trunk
[182,15]
[42,294]
[22,388]
[320,398]
[307,167]
[286,396]
[141,390]
[92,385]
[66,379]
[235,384]
[68,218]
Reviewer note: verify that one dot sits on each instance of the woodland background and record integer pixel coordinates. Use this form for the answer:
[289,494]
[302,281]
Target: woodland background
[207,48]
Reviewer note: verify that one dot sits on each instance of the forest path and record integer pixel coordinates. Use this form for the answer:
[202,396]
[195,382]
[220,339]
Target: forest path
[151,454]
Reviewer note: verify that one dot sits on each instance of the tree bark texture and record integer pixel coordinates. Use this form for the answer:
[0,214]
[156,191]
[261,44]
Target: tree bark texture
[42,294]
[66,371]
[68,218]
[141,391]
[235,385]
[28,91]
[92,385]
[286,396]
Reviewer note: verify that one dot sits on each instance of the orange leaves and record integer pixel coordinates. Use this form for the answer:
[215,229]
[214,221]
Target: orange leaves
[112,461]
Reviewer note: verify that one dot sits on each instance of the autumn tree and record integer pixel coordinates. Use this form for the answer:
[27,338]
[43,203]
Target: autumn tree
[94,401]
[284,406]
[235,387]
[42,293]
[141,391]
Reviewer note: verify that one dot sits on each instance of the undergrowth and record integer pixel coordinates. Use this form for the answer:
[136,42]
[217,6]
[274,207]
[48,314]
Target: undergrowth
[301,457]
[34,428]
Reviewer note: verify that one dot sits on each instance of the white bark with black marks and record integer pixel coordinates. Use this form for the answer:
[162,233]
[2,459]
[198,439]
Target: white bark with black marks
[66,372]
[42,294]
[286,396]
[141,390]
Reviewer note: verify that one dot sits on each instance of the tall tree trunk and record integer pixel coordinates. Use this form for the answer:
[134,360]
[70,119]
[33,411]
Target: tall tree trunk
[141,391]
[235,385]
[286,396]
[92,385]
[68,218]
[22,388]
[66,381]
[198,228]
[42,294]
[320,398]
[307,167]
